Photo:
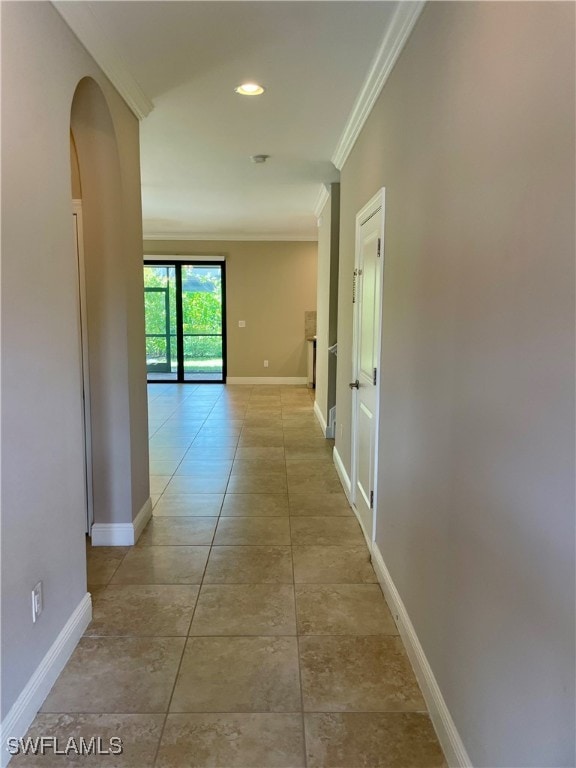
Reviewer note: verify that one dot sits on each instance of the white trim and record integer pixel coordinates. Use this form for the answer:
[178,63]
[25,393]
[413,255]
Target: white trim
[96,39]
[289,380]
[321,200]
[320,416]
[112,535]
[24,709]
[347,485]
[397,33]
[372,207]
[171,258]
[208,236]
[342,474]
[376,205]
[448,735]
[85,358]
[367,539]
[141,520]
[121,534]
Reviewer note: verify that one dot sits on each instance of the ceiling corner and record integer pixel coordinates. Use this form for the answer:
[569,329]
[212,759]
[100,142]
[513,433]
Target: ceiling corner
[97,41]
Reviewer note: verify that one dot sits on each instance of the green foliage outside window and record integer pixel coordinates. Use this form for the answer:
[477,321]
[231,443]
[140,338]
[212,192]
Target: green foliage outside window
[201,314]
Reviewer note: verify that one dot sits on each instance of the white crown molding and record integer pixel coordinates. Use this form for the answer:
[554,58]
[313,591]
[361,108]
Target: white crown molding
[176,257]
[97,41]
[272,238]
[323,195]
[397,34]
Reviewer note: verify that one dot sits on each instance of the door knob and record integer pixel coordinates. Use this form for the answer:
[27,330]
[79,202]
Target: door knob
[354,384]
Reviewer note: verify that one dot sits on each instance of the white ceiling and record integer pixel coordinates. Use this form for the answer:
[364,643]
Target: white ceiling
[187,57]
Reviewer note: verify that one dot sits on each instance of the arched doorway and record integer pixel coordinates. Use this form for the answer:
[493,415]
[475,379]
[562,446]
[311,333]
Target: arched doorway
[96,177]
[78,232]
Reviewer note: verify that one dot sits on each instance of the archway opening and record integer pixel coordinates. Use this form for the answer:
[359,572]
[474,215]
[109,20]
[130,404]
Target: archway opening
[96,190]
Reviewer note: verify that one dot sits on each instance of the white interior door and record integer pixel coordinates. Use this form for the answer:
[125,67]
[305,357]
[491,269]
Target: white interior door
[79,242]
[366,355]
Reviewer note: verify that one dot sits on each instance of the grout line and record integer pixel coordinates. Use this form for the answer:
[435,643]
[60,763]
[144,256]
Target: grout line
[182,655]
[257,712]
[303,719]
[249,411]
[236,634]
[304,744]
[240,584]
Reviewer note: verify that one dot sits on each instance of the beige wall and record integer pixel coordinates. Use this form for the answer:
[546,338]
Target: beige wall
[43,507]
[473,138]
[270,285]
[327,300]
[115,325]
[323,310]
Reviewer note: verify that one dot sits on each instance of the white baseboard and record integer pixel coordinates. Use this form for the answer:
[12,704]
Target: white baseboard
[449,738]
[121,534]
[343,475]
[288,380]
[26,706]
[112,535]
[320,416]
[141,520]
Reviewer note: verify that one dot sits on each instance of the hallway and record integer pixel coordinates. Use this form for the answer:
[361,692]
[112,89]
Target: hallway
[246,627]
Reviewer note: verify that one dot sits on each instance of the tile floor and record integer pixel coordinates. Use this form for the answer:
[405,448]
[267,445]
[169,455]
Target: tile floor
[246,628]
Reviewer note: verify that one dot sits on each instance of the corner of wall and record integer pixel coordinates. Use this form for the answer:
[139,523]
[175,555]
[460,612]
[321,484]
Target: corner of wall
[121,534]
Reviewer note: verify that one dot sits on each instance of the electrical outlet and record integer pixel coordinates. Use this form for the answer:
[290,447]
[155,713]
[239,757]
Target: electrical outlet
[241,323]
[37,602]
[265,363]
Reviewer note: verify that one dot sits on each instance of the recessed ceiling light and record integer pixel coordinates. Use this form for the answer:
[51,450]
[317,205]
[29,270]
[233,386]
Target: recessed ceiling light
[249,89]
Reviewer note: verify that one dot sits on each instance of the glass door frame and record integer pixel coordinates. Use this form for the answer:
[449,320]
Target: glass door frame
[166,335]
[177,264]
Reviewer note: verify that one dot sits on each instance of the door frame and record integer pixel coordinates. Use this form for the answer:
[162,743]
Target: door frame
[178,263]
[372,207]
[84,362]
[167,335]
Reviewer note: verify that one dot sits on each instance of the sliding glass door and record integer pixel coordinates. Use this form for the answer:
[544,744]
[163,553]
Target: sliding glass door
[185,321]
[160,313]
